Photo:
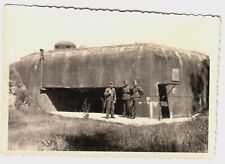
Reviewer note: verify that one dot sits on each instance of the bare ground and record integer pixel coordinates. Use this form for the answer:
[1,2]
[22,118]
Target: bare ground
[138,121]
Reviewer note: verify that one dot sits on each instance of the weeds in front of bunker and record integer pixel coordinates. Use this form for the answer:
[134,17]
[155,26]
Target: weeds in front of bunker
[40,131]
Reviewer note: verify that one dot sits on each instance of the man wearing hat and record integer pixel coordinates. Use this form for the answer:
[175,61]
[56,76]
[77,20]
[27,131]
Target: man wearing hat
[126,90]
[110,100]
[137,93]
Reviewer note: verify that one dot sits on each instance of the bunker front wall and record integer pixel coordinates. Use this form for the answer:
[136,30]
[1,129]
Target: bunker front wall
[29,70]
[93,68]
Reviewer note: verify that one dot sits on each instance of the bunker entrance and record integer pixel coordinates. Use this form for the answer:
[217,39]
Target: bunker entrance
[163,100]
[163,97]
[79,100]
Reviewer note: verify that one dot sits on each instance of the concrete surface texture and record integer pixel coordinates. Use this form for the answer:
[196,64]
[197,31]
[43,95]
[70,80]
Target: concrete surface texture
[138,121]
[71,76]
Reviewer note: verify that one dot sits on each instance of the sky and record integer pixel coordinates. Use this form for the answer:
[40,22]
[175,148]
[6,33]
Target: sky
[26,30]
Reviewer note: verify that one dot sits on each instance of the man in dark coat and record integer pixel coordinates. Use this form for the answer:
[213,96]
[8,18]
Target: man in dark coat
[110,100]
[137,93]
[126,90]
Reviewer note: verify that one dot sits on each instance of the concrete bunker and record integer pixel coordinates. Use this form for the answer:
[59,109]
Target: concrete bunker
[72,78]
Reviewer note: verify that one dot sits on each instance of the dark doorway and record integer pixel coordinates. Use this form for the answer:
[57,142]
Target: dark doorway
[76,100]
[163,100]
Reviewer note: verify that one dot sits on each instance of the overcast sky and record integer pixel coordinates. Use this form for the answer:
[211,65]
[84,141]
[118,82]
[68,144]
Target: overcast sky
[26,30]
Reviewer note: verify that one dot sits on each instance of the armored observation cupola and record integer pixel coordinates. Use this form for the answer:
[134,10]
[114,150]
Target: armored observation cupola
[64,45]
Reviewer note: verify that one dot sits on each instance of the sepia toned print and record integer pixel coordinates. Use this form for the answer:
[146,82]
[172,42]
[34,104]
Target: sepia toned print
[110,81]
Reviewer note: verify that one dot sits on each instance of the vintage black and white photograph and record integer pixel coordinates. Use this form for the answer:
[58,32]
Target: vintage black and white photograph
[97,80]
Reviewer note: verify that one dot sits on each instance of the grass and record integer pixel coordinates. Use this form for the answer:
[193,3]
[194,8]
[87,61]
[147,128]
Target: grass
[41,131]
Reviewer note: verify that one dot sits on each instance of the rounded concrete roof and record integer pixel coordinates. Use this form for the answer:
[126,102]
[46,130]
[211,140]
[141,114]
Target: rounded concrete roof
[64,45]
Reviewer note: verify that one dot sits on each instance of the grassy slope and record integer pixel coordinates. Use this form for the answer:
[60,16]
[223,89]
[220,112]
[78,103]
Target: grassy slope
[38,131]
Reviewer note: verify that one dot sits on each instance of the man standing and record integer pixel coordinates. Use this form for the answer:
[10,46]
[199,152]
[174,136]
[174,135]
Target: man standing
[110,100]
[137,93]
[126,90]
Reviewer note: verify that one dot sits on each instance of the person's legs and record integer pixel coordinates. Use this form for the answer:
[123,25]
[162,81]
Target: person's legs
[128,107]
[112,109]
[134,108]
[103,106]
[124,108]
[108,105]
[131,107]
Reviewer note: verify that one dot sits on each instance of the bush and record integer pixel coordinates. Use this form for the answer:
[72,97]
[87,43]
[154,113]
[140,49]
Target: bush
[23,100]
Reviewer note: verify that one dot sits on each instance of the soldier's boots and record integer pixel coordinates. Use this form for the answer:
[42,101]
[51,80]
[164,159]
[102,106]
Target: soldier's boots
[107,116]
[129,115]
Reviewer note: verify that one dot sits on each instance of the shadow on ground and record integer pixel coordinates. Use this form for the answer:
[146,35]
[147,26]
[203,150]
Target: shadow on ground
[97,142]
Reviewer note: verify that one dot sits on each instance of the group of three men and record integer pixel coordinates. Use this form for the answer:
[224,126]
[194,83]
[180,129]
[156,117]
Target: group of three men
[130,99]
